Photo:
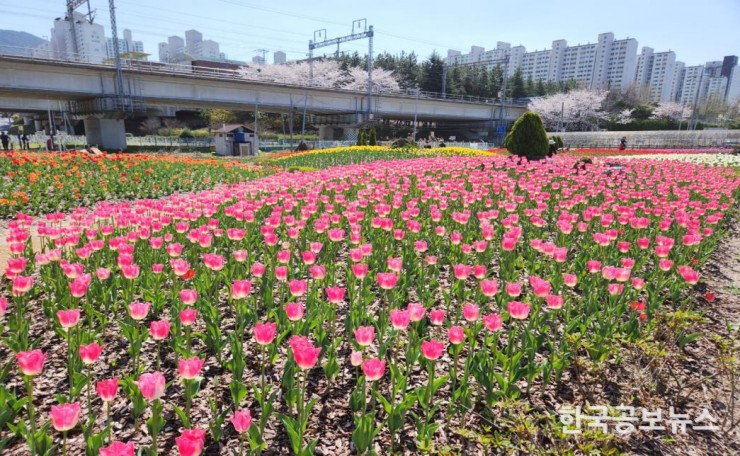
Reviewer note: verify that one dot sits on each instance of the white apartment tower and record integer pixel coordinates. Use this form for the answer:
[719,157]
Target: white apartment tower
[278,57]
[125,45]
[90,39]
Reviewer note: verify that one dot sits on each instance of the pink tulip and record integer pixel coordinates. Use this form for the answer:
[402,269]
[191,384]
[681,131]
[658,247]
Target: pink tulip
[373,368]
[297,287]
[541,287]
[3,305]
[138,310]
[489,287]
[432,349]
[665,264]
[281,273]
[102,273]
[90,353]
[461,271]
[264,333]
[65,417]
[387,280]
[456,334]
[130,271]
[240,289]
[188,316]
[437,316]
[593,266]
[304,353]
[79,286]
[179,267]
[518,310]
[152,386]
[638,283]
[416,311]
[554,301]
[214,262]
[21,285]
[400,319]
[294,311]
[258,269]
[364,335]
[570,280]
[118,448]
[190,442]
[470,312]
[689,275]
[317,271]
[188,297]
[508,244]
[190,368]
[492,322]
[241,420]
[68,318]
[240,256]
[159,330]
[31,362]
[107,389]
[335,295]
[513,289]
[360,270]
[615,288]
[479,271]
[355,358]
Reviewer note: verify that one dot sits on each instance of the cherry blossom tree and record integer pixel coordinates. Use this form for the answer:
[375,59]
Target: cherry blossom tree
[672,111]
[577,110]
[326,73]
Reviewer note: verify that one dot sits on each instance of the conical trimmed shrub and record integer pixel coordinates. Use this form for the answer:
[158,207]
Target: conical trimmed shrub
[528,137]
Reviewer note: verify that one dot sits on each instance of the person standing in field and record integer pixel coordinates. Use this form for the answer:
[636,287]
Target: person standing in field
[4,139]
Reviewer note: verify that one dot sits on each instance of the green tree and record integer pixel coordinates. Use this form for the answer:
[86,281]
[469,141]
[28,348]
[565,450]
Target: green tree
[361,138]
[431,74]
[372,139]
[217,117]
[495,80]
[539,89]
[516,87]
[529,86]
[528,137]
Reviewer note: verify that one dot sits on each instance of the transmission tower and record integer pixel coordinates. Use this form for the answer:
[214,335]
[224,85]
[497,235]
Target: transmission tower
[363,31]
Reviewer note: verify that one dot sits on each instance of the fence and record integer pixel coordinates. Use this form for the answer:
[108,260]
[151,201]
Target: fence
[650,139]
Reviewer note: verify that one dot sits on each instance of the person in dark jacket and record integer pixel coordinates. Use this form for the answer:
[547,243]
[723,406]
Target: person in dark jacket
[5,140]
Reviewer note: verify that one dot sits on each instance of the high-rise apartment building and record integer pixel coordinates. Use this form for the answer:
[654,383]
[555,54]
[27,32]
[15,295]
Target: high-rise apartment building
[126,44]
[606,63]
[193,47]
[278,57]
[77,39]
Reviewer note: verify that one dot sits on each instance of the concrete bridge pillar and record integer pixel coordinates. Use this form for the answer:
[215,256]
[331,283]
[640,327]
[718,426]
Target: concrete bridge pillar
[338,132]
[108,134]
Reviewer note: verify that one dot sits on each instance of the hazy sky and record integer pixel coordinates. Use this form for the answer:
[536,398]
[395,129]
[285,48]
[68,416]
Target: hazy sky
[696,31]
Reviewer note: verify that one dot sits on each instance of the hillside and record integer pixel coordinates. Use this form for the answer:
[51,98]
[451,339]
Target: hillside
[18,43]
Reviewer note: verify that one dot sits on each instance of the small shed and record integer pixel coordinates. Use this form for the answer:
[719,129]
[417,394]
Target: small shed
[236,140]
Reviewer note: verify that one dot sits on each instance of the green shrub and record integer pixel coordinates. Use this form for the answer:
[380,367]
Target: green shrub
[558,141]
[186,134]
[527,137]
[403,143]
[361,138]
[372,140]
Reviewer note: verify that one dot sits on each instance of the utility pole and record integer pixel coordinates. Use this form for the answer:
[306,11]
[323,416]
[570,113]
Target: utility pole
[264,54]
[116,52]
[71,7]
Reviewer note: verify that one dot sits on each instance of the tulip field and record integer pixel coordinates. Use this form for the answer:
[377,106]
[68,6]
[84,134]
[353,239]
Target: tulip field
[414,304]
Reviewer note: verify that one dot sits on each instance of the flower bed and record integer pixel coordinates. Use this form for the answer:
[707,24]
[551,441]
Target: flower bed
[37,183]
[717,159]
[614,152]
[325,158]
[388,303]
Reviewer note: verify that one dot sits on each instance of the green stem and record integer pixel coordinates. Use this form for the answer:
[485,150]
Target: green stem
[188,398]
[155,426]
[241,444]
[89,401]
[301,393]
[107,420]
[158,357]
[31,414]
[64,443]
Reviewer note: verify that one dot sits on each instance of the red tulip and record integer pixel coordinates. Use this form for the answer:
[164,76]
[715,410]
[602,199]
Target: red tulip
[31,362]
[708,296]
[152,386]
[65,417]
[68,318]
[190,368]
[159,330]
[107,389]
[432,349]
[304,353]
[373,369]
[118,448]
[90,353]
[241,420]
[191,442]
[264,333]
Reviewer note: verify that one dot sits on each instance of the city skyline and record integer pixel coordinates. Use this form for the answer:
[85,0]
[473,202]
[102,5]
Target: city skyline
[417,26]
